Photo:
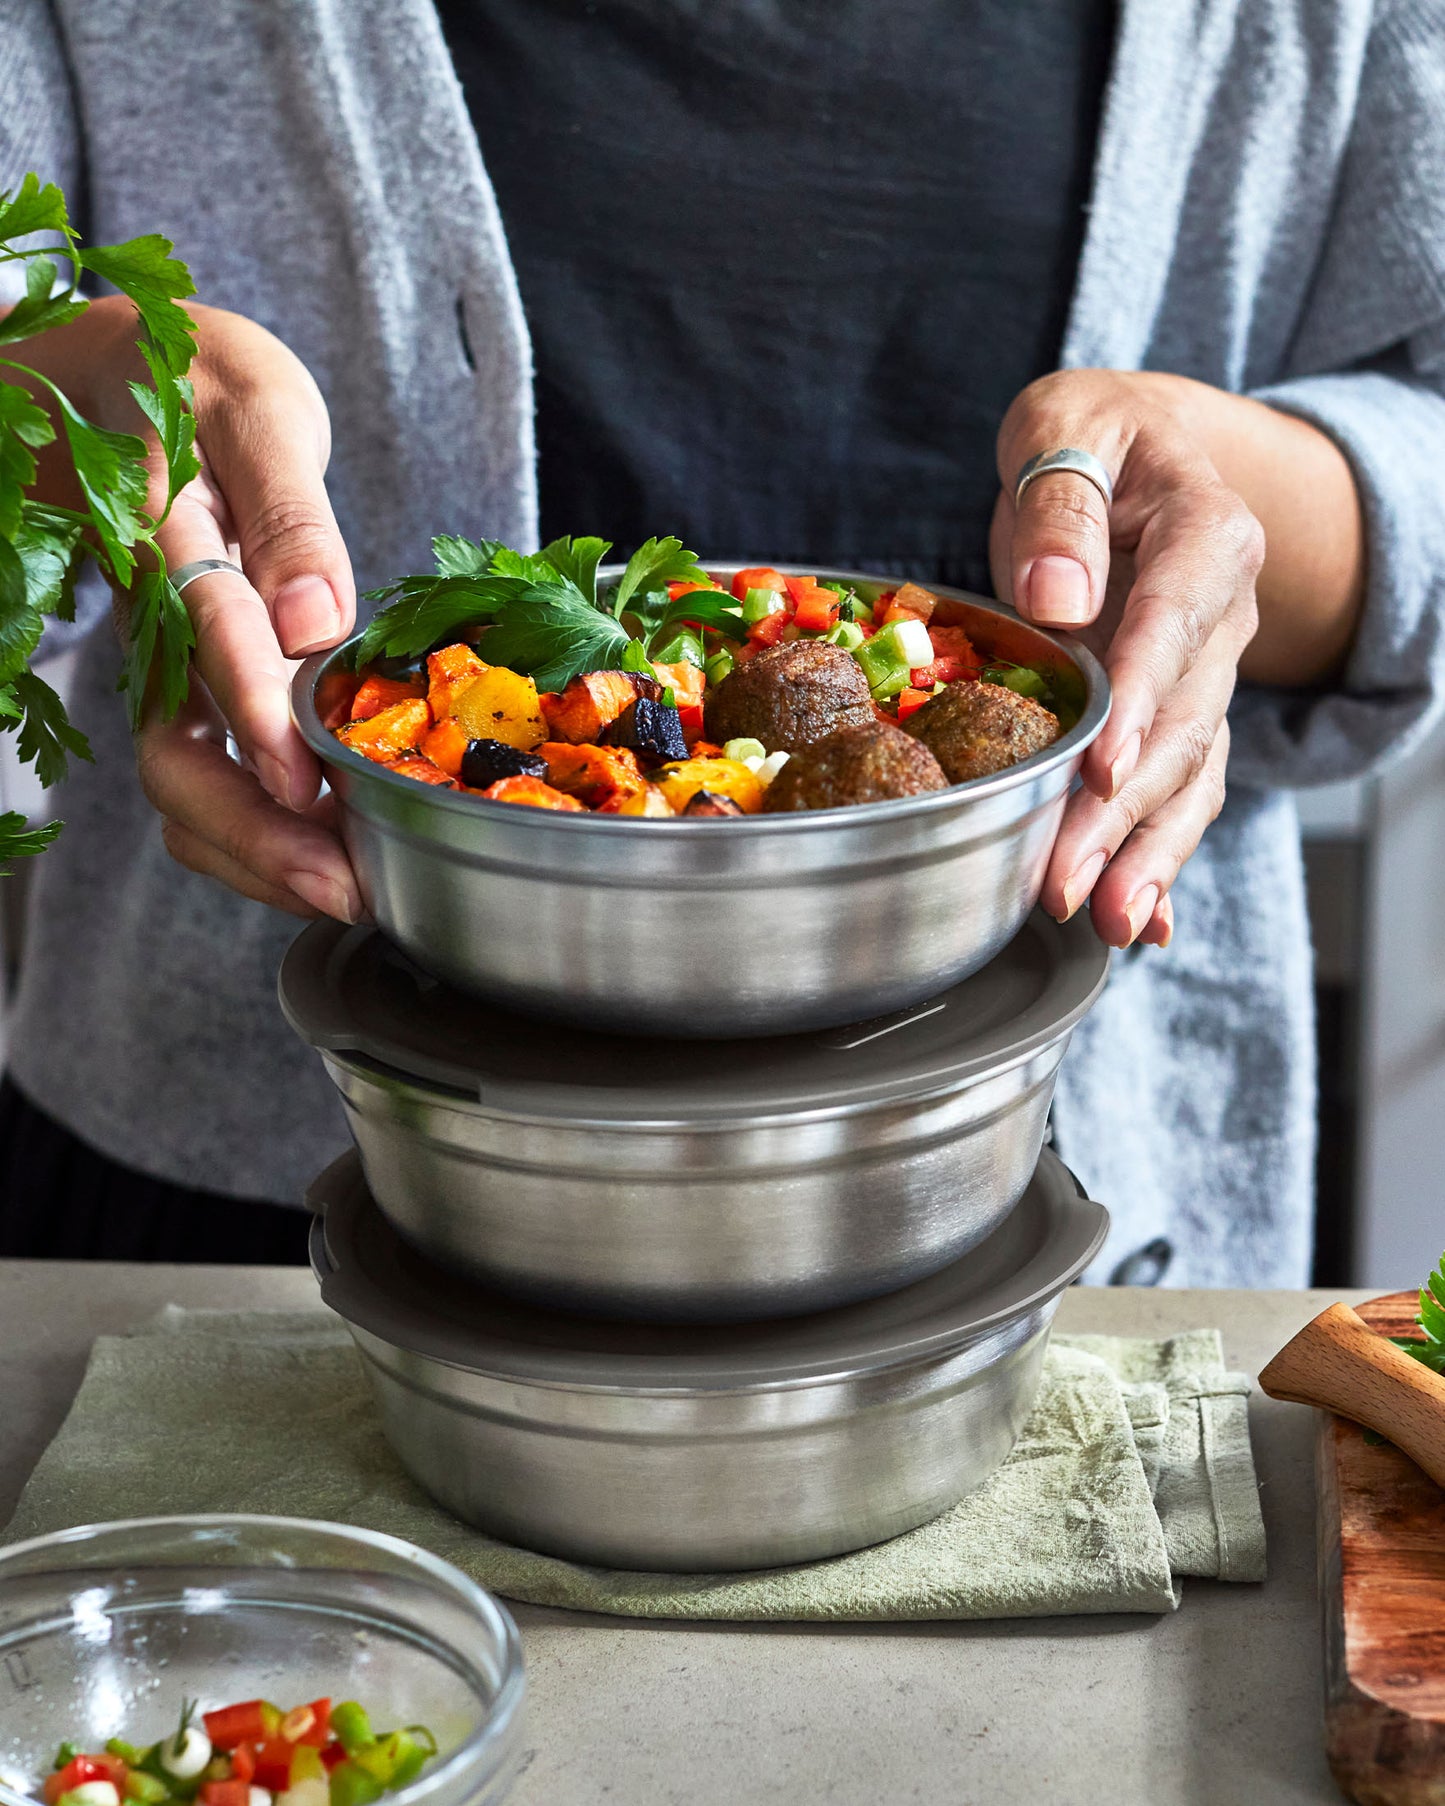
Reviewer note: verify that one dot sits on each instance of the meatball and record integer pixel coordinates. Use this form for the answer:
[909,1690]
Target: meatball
[866,764]
[790,696]
[974,729]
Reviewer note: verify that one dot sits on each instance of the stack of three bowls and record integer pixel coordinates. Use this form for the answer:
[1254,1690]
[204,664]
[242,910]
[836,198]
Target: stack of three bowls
[699,1297]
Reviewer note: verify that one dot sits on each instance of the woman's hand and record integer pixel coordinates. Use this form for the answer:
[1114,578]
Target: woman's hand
[260,500]
[1162,586]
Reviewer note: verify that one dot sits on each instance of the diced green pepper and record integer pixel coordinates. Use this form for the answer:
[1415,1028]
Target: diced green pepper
[1022,679]
[886,672]
[350,1725]
[128,1753]
[66,1754]
[758,604]
[145,1789]
[306,1764]
[719,666]
[683,645]
[847,634]
[351,1785]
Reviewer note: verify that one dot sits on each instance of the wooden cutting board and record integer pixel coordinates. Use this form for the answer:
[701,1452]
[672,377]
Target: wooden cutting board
[1382,1587]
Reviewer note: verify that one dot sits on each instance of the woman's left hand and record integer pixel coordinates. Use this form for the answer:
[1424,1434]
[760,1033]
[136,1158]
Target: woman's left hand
[1162,587]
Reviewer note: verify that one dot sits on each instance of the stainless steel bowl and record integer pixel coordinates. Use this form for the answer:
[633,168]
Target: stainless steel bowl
[683,1180]
[633,1446]
[765,925]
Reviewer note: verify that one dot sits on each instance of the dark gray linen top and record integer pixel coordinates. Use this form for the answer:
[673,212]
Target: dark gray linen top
[1268,215]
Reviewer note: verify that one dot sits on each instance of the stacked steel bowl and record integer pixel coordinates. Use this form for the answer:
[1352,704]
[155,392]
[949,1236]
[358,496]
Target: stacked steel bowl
[700,1216]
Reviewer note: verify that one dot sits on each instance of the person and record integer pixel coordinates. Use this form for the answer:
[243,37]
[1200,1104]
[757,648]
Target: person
[769,277]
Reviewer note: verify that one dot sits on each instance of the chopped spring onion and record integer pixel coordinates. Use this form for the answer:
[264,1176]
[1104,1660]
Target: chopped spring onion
[744,750]
[758,604]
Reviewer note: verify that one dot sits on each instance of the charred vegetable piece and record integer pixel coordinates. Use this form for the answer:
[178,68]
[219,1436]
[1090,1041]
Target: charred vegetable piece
[502,705]
[387,736]
[593,774]
[708,802]
[651,728]
[413,765]
[533,791]
[649,800]
[487,762]
[449,672]
[589,705]
[378,693]
[723,777]
[445,746]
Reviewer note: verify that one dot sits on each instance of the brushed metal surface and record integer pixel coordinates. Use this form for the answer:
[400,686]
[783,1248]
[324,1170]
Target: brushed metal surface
[769,924]
[707,1220]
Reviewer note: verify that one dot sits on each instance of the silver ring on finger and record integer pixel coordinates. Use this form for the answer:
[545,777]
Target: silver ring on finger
[202,567]
[1070,458]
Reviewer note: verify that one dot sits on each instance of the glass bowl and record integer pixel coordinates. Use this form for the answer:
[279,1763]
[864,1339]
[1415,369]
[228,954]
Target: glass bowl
[104,1628]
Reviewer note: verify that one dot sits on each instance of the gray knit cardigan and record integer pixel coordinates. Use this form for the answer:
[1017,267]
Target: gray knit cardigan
[1268,215]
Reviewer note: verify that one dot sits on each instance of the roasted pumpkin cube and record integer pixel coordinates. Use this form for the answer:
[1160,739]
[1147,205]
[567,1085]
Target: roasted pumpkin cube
[649,800]
[533,791]
[386,736]
[909,602]
[501,705]
[446,746]
[681,782]
[414,765]
[590,704]
[449,672]
[592,773]
[378,693]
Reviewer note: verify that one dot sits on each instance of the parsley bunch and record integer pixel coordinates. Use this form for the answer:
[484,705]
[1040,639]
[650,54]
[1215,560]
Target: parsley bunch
[545,613]
[1430,1352]
[41,547]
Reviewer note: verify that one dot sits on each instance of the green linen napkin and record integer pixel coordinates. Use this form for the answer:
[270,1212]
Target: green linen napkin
[1133,1468]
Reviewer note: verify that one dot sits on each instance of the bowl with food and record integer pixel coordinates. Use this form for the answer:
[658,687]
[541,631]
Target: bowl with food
[250,1661]
[698,803]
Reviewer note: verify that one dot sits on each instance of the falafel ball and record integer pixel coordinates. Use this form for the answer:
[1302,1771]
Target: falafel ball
[790,696]
[866,764]
[975,729]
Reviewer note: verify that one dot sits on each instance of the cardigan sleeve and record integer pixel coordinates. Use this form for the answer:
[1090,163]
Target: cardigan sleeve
[1368,368]
[38,125]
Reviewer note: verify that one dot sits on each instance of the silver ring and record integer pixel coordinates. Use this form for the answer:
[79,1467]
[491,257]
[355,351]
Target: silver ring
[201,567]
[1077,463]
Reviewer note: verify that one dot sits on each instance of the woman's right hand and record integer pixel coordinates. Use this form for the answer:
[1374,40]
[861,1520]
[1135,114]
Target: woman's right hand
[264,439]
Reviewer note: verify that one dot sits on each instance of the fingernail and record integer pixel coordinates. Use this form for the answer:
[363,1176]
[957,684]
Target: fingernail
[323,893]
[307,615]
[1125,760]
[1139,911]
[1082,882]
[1166,917]
[1058,592]
[275,777]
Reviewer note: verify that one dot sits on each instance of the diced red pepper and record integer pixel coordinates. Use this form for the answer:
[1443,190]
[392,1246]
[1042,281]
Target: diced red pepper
[953,642]
[910,701]
[332,1755]
[771,629]
[243,1762]
[79,1770]
[943,671]
[318,1734]
[690,714]
[674,590]
[273,1765]
[225,1793]
[759,576]
[817,610]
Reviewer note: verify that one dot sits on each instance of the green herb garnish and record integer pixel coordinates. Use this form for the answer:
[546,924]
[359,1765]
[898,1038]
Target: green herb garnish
[1431,1352]
[41,547]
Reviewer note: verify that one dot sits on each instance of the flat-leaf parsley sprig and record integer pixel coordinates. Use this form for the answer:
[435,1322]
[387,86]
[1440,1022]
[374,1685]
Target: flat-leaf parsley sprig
[42,547]
[545,612]
[1430,1352]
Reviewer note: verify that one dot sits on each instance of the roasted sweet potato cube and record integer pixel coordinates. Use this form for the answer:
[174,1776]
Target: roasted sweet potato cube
[530,790]
[414,765]
[501,705]
[378,693]
[397,730]
[446,745]
[649,800]
[589,705]
[909,602]
[593,773]
[449,672]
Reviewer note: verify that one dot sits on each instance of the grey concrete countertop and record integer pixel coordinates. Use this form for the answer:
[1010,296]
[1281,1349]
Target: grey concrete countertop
[1216,1705]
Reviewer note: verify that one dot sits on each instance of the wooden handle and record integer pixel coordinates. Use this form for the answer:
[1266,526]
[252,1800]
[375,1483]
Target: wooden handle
[1340,1364]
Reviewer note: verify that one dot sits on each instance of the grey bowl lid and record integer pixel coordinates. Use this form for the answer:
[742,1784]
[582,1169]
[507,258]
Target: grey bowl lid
[349,991]
[373,1278]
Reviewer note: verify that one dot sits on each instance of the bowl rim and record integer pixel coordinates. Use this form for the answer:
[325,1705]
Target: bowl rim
[1067,747]
[479,1747]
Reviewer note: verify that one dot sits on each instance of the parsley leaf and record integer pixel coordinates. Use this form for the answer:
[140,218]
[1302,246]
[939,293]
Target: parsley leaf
[1430,1352]
[158,620]
[554,634]
[110,468]
[50,547]
[155,283]
[20,622]
[168,408]
[46,735]
[32,208]
[577,560]
[655,563]
[42,308]
[428,610]
[458,557]
[19,842]
[531,566]
[23,425]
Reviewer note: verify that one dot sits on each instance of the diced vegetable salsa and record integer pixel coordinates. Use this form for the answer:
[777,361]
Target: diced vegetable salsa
[251,1754]
[515,678]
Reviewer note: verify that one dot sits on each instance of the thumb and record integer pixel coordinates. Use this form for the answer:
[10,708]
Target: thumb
[1053,539]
